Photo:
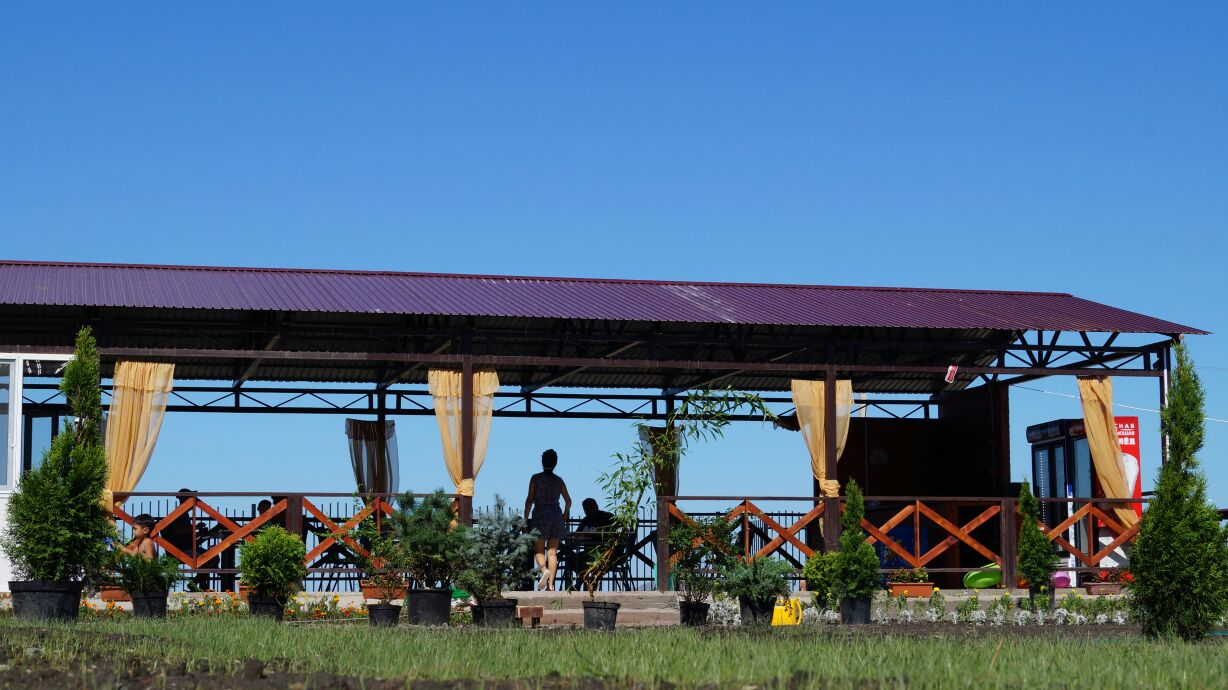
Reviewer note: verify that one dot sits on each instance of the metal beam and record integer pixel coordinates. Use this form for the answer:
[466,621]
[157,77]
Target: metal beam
[255,363]
[406,372]
[538,385]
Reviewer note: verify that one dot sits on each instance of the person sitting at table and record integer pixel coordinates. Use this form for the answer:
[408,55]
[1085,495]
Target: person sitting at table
[547,518]
[595,519]
[181,535]
[142,537]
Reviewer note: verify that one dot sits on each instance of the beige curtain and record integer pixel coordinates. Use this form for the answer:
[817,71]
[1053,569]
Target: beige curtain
[138,403]
[1096,393]
[373,454]
[445,387]
[808,398]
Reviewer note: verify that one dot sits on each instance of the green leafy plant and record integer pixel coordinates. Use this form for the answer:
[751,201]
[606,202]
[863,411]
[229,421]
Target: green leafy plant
[703,415]
[909,575]
[430,538]
[58,526]
[272,564]
[380,557]
[965,608]
[1179,562]
[137,574]
[499,552]
[1037,561]
[701,547]
[760,580]
[856,572]
[820,576]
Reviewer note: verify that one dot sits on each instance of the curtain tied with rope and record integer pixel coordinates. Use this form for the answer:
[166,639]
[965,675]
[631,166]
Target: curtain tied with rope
[1096,396]
[373,455]
[139,395]
[446,387]
[808,398]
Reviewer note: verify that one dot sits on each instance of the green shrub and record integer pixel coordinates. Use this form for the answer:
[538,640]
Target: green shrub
[761,580]
[1037,560]
[272,563]
[819,574]
[57,524]
[430,537]
[137,574]
[1180,559]
[498,554]
[856,573]
[702,548]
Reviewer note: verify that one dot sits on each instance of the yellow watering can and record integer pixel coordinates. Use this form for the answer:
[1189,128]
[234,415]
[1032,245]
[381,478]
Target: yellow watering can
[787,612]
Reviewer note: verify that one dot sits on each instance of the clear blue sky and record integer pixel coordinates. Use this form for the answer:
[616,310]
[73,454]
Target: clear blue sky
[1046,146]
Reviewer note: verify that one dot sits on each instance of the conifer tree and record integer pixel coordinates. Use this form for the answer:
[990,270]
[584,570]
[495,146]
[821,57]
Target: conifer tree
[1180,559]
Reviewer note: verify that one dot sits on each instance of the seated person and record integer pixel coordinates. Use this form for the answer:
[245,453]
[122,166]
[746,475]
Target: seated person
[142,537]
[595,519]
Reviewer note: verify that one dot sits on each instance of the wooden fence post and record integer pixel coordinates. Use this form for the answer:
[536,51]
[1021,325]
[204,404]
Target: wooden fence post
[663,574]
[1007,537]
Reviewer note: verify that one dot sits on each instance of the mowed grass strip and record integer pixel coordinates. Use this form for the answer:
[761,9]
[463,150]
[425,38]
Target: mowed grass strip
[678,655]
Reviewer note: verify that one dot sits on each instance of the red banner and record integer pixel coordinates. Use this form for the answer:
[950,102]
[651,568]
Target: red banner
[1131,457]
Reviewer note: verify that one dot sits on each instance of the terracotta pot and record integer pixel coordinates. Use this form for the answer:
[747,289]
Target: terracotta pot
[1098,588]
[244,590]
[910,589]
[371,591]
[111,593]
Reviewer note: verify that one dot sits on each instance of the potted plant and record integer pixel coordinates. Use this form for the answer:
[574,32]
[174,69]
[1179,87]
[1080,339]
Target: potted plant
[147,581]
[700,548]
[499,552]
[757,585]
[58,524]
[703,415]
[1106,581]
[1037,560]
[906,582]
[271,564]
[383,561]
[819,575]
[855,575]
[431,544]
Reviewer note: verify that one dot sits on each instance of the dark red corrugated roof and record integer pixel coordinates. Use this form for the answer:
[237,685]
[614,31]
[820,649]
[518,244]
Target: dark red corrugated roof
[275,289]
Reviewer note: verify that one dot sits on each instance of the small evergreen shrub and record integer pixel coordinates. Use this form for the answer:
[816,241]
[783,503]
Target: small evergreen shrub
[1037,561]
[498,554]
[819,574]
[430,537]
[702,547]
[855,574]
[272,564]
[761,580]
[58,526]
[1180,559]
[136,574]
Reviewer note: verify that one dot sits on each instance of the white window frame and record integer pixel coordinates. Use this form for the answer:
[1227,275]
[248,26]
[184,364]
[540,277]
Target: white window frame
[16,415]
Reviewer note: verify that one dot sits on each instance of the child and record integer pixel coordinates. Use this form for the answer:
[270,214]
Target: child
[142,540]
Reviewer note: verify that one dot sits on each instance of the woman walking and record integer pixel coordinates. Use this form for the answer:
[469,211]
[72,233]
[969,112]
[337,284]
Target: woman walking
[547,518]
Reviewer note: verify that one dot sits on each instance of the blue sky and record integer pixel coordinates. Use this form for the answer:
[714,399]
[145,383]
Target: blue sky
[1044,146]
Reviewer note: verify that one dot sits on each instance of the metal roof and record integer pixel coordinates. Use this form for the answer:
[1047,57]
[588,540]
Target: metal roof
[379,292]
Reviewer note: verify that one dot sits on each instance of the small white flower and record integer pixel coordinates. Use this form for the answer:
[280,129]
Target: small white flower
[1080,619]
[931,615]
[831,617]
[952,617]
[1119,618]
[999,617]
[1023,617]
[1102,618]
[979,617]
[1040,617]
[1060,616]
[906,616]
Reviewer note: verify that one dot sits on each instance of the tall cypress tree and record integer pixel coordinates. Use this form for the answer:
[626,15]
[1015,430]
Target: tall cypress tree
[57,524]
[1180,559]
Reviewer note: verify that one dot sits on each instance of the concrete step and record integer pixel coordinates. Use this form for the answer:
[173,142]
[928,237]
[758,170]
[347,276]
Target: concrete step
[573,601]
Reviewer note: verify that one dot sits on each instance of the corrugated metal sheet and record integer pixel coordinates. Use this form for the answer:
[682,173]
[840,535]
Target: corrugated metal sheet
[250,289]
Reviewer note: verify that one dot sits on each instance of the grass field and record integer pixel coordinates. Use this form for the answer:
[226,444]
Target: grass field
[798,657]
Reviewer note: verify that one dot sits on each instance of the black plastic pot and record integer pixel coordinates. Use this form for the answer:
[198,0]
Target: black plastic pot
[600,615]
[496,613]
[855,611]
[384,615]
[148,604]
[757,611]
[693,612]
[430,606]
[33,599]
[266,607]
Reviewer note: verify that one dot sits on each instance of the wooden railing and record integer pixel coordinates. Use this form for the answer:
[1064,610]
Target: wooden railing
[943,534]
[203,529]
